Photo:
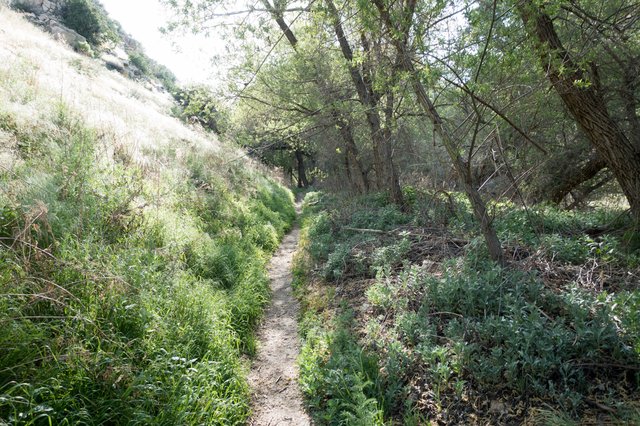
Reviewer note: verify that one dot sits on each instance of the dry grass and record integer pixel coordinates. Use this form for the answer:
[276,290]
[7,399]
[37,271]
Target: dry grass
[37,73]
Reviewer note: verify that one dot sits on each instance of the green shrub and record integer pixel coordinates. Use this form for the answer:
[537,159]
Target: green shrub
[503,329]
[341,226]
[152,69]
[470,328]
[199,104]
[140,61]
[338,378]
[89,20]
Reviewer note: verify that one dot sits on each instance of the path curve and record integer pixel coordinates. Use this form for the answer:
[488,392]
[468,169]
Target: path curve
[276,398]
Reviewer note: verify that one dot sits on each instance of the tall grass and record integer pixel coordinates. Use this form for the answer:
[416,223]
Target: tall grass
[132,259]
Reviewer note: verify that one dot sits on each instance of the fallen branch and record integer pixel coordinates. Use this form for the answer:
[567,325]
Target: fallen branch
[373,231]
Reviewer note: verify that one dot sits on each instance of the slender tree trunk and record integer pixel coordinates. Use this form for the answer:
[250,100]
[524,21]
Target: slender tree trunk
[345,130]
[382,153]
[361,181]
[588,109]
[406,63]
[347,169]
[302,172]
[392,172]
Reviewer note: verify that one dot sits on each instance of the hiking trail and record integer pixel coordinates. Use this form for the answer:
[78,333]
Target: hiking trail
[276,398]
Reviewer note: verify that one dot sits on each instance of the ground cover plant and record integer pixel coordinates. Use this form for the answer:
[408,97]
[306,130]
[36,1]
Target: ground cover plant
[413,322]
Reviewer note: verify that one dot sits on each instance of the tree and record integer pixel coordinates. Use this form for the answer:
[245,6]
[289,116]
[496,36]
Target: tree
[386,174]
[198,104]
[399,32]
[352,160]
[202,13]
[89,20]
[577,88]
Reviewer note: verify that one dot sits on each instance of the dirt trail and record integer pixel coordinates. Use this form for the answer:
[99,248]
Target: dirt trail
[273,378]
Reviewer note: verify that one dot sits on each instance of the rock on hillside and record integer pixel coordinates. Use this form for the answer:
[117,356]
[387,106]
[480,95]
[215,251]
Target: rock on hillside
[33,66]
[115,55]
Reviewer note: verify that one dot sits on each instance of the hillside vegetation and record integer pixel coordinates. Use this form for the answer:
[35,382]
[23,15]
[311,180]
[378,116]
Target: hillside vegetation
[132,248]
[471,242]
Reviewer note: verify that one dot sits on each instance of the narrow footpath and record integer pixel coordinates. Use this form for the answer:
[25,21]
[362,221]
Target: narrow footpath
[276,398]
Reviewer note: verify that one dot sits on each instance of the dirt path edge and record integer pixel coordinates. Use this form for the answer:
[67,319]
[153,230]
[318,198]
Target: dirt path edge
[276,397]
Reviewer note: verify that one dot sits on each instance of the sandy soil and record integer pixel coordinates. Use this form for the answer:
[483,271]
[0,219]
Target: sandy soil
[273,378]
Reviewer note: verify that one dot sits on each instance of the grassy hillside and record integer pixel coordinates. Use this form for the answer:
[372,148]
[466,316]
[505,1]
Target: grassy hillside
[132,249]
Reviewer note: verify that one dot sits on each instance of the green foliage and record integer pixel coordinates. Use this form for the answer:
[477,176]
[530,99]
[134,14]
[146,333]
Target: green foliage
[120,306]
[568,236]
[334,235]
[470,328]
[339,378]
[166,76]
[512,333]
[199,104]
[140,61]
[152,69]
[89,20]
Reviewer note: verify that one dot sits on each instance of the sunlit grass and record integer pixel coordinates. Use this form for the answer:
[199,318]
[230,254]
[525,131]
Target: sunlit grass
[132,249]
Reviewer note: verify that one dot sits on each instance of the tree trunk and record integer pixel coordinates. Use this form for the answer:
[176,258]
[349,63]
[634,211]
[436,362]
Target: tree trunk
[573,176]
[392,172]
[382,153]
[347,169]
[361,181]
[302,173]
[588,109]
[284,27]
[628,95]
[406,63]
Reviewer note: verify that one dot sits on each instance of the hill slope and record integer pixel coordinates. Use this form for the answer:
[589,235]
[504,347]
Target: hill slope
[132,248]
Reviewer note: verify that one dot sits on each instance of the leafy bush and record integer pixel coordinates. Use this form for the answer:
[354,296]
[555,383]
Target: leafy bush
[165,76]
[504,331]
[152,69]
[89,20]
[569,236]
[140,61]
[470,333]
[199,104]
[339,226]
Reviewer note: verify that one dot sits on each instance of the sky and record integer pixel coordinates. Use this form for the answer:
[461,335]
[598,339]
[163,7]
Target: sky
[188,56]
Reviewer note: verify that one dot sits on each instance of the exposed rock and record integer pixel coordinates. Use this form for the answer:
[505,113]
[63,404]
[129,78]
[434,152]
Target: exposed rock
[133,71]
[113,63]
[120,53]
[39,7]
[48,15]
[153,86]
[66,35]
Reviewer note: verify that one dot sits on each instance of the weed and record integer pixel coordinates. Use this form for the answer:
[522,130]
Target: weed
[339,379]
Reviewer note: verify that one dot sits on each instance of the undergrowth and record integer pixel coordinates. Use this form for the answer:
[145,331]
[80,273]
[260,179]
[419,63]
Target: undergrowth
[129,293]
[413,334]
